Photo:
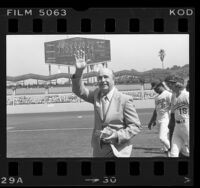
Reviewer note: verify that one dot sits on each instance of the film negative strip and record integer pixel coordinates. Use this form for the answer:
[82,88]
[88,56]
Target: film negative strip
[57,128]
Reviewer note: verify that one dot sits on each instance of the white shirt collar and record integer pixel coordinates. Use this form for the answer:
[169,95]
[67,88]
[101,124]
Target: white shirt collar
[110,94]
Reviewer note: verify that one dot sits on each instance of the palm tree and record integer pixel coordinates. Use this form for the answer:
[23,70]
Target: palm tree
[162,56]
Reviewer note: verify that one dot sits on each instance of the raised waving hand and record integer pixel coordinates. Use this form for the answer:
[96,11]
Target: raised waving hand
[80,59]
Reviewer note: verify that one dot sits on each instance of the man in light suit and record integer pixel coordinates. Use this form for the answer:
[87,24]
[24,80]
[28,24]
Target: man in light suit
[116,120]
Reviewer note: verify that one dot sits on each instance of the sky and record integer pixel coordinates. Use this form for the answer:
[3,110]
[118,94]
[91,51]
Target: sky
[25,53]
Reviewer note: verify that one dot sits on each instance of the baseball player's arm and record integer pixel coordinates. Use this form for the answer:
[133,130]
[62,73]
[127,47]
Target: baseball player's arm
[169,98]
[131,121]
[187,98]
[153,119]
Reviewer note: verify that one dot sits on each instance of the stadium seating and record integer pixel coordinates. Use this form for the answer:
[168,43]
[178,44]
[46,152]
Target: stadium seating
[59,90]
[9,91]
[137,95]
[66,98]
[128,87]
[30,91]
[9,100]
[147,86]
[65,95]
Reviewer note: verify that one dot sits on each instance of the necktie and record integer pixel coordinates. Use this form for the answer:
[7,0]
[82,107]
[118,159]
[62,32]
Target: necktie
[104,105]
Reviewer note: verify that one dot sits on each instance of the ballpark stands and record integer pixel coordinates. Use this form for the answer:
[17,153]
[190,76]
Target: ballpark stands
[147,86]
[30,91]
[63,94]
[9,91]
[59,90]
[128,87]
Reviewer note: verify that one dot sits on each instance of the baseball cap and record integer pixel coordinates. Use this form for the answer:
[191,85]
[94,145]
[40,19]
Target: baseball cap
[170,78]
[155,83]
[174,79]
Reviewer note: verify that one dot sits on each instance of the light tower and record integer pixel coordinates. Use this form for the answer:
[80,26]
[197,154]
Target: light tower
[162,55]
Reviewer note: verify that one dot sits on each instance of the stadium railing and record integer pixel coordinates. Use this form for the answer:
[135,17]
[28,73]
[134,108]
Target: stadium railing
[50,95]
[65,98]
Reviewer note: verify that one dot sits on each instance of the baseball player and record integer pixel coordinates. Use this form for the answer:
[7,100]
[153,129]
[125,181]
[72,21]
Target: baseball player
[166,86]
[187,86]
[180,137]
[161,115]
[170,85]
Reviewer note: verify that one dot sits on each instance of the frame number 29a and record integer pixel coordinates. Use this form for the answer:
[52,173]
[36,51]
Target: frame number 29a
[11,180]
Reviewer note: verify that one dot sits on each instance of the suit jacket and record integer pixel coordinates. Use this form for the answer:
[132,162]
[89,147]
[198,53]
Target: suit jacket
[121,116]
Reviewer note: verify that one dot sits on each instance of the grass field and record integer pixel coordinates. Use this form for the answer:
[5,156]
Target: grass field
[68,134]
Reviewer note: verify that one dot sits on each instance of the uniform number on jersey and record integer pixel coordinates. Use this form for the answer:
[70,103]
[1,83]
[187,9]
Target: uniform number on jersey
[183,110]
[161,104]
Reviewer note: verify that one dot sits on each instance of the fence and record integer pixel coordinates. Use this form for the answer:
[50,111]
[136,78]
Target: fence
[67,98]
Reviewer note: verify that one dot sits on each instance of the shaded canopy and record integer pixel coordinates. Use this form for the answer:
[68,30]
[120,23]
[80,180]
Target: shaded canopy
[45,78]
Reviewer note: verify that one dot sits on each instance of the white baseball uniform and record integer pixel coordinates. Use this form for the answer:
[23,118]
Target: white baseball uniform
[180,138]
[163,106]
[173,102]
[166,87]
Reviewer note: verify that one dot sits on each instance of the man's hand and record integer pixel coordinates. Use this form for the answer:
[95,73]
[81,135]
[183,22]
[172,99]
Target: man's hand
[107,135]
[80,60]
[111,139]
[103,133]
[151,124]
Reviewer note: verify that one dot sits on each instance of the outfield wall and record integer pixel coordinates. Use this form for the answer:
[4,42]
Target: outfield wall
[66,107]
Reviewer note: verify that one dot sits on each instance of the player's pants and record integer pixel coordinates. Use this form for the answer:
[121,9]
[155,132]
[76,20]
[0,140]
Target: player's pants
[180,140]
[164,133]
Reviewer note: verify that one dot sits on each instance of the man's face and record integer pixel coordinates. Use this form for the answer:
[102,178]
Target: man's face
[171,85]
[105,80]
[158,89]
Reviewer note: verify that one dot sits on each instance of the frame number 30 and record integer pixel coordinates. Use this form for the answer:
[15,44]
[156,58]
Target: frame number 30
[109,180]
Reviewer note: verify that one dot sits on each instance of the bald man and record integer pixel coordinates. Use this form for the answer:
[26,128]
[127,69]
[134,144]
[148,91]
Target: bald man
[116,120]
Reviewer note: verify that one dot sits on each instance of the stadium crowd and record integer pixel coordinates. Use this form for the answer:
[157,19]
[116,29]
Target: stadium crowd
[66,98]
[137,95]
[42,99]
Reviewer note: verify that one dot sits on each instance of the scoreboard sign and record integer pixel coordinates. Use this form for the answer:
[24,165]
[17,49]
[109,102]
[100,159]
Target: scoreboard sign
[62,52]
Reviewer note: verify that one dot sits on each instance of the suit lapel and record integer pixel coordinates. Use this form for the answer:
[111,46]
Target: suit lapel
[112,105]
